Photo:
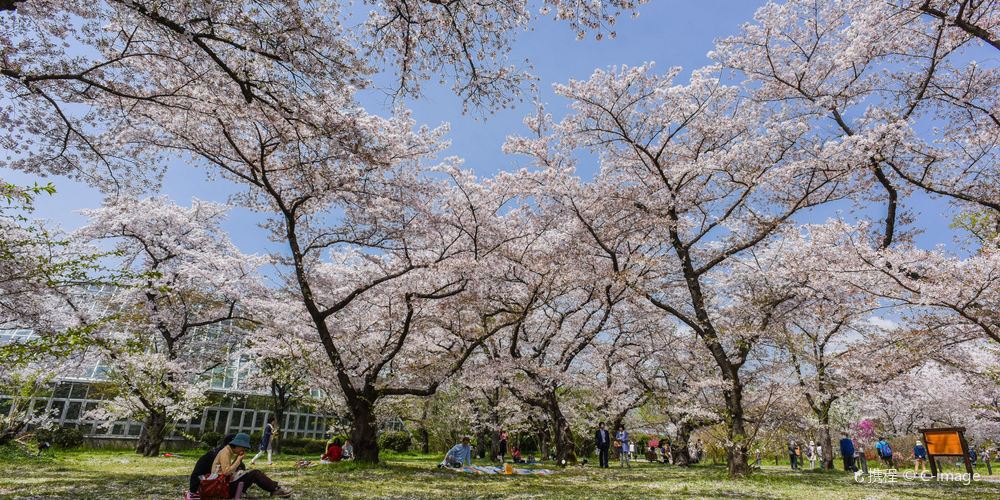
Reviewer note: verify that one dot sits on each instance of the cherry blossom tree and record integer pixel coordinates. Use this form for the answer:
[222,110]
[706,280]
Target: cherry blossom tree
[551,352]
[960,391]
[692,177]
[282,363]
[180,315]
[75,74]
[891,83]
[832,332]
[685,391]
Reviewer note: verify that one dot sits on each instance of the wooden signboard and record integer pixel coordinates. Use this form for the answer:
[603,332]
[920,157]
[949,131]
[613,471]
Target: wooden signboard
[946,442]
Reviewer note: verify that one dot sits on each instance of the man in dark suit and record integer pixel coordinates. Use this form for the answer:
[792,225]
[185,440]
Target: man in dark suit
[603,441]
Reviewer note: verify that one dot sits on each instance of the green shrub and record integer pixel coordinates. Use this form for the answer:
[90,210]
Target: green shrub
[303,446]
[60,437]
[67,437]
[211,439]
[397,441]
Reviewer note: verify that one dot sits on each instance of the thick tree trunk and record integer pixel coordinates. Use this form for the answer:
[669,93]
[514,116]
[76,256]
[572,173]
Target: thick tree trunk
[151,437]
[679,450]
[280,400]
[565,446]
[482,439]
[140,447]
[543,443]
[425,441]
[827,441]
[737,453]
[364,431]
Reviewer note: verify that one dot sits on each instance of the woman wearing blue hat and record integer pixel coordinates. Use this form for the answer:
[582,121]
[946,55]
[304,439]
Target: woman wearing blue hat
[228,462]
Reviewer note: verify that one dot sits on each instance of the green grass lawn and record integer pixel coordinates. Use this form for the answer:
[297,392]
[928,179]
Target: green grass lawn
[121,474]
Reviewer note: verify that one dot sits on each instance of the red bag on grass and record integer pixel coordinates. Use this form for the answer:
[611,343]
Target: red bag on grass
[217,487]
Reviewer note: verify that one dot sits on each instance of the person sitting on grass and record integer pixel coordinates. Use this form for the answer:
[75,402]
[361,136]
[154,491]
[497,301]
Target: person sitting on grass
[516,455]
[203,466]
[228,461]
[334,452]
[348,450]
[459,455]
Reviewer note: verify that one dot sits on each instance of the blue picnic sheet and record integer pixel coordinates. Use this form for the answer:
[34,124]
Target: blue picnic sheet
[491,469]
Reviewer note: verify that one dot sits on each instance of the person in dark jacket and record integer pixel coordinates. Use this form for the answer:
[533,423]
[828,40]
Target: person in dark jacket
[847,451]
[203,466]
[919,457]
[603,441]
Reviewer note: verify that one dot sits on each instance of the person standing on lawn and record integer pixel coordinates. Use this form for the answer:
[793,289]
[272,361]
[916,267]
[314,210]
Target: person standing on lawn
[603,441]
[884,451]
[503,446]
[847,452]
[265,440]
[622,438]
[228,461]
[919,457]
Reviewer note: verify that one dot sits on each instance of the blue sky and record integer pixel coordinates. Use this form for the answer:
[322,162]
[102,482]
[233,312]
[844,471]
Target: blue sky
[669,32]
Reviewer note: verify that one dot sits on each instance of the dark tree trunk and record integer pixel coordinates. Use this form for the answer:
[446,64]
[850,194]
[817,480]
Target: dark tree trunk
[827,440]
[281,401]
[543,443]
[483,444]
[364,430]
[615,424]
[140,447]
[425,435]
[679,450]
[151,437]
[565,446]
[738,453]
[425,441]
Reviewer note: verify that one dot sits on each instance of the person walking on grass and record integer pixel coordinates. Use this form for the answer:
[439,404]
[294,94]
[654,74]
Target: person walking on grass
[602,438]
[919,457]
[265,440]
[847,452]
[622,438]
[792,456]
[812,454]
[884,451]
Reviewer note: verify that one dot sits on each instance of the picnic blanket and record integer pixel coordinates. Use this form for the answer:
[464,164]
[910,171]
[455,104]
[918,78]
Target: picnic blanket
[490,469]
